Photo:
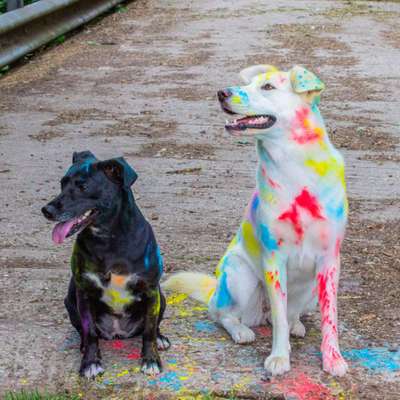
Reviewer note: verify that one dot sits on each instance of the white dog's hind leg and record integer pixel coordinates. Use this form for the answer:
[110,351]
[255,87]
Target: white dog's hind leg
[239,332]
[275,276]
[238,300]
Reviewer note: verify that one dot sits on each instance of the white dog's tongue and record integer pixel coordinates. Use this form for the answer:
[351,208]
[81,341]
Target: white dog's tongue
[62,229]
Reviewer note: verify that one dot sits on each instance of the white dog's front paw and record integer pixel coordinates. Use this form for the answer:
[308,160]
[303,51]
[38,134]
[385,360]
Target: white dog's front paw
[242,334]
[336,367]
[298,329]
[277,365]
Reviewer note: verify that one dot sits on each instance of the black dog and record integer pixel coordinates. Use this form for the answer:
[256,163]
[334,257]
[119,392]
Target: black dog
[116,263]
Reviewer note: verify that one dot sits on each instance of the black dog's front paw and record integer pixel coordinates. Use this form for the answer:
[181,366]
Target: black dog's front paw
[151,365]
[90,369]
[163,342]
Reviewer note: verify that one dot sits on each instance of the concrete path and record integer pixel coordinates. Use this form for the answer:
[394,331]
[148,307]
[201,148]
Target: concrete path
[142,84]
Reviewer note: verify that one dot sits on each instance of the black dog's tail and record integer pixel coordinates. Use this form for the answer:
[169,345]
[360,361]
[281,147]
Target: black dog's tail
[196,285]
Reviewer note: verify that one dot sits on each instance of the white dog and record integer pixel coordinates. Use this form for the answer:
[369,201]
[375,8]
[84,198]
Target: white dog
[287,247]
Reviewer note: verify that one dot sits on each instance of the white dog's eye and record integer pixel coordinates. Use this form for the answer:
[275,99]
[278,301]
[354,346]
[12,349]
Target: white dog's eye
[268,86]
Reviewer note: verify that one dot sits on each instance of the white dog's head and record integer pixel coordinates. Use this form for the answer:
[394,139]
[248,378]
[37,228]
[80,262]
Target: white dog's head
[270,99]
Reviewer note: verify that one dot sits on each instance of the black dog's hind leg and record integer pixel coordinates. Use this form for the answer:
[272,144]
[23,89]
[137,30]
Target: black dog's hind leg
[163,342]
[151,363]
[70,305]
[91,359]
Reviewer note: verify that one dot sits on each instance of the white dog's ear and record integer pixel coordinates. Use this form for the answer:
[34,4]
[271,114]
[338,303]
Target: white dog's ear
[249,73]
[306,84]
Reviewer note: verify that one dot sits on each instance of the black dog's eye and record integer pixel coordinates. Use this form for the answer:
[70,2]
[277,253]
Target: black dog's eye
[81,185]
[268,86]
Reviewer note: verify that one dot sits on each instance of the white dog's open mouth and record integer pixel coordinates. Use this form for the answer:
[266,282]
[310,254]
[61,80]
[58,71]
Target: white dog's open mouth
[251,122]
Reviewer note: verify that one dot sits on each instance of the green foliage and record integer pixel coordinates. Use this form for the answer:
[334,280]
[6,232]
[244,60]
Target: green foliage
[4,70]
[3,6]
[59,39]
[121,8]
[35,395]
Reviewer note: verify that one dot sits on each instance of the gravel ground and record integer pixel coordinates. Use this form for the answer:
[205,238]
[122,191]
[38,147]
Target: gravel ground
[141,83]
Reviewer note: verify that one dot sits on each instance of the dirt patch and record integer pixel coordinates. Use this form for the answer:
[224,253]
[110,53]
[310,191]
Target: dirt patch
[353,8]
[45,136]
[392,37]
[26,262]
[369,138]
[140,125]
[371,256]
[305,42]
[171,149]
[380,158]
[78,116]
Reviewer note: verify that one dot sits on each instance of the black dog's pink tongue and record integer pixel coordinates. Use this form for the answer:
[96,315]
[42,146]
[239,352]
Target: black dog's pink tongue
[62,229]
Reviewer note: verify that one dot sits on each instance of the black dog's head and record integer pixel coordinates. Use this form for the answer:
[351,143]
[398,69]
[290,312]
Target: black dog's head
[90,192]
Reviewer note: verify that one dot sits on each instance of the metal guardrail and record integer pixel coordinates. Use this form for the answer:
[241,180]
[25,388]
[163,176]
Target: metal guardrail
[25,29]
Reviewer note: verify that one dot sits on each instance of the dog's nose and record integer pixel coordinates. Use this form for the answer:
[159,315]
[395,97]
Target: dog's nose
[49,211]
[223,94]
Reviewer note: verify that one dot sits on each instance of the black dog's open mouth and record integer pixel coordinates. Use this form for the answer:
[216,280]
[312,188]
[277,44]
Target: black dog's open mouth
[68,228]
[251,122]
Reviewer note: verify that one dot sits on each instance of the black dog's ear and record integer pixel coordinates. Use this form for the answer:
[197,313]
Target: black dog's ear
[79,156]
[119,171]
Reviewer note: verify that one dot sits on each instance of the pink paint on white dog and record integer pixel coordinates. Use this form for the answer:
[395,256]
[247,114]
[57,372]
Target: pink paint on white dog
[286,253]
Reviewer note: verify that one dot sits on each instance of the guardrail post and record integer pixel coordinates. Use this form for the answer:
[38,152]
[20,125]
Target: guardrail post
[14,4]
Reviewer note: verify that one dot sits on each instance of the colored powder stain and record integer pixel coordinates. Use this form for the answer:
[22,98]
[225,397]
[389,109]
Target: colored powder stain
[222,261]
[123,373]
[269,197]
[310,203]
[135,354]
[204,326]
[236,99]
[147,257]
[269,277]
[378,359]
[244,98]
[160,261]
[176,299]
[249,239]
[322,168]
[292,216]
[253,206]
[83,166]
[115,297]
[171,380]
[224,298]
[273,184]
[303,131]
[335,211]
[264,331]
[306,201]
[301,387]
[267,239]
[117,345]
[118,280]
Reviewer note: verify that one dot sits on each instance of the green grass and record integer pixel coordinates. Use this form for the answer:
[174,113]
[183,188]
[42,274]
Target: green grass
[35,395]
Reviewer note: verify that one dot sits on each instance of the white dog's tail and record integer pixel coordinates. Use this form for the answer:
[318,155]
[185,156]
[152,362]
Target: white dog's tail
[196,285]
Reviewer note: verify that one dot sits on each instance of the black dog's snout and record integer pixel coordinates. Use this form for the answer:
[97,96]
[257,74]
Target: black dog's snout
[223,94]
[49,211]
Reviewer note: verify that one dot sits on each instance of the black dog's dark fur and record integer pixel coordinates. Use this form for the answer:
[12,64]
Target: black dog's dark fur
[117,240]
